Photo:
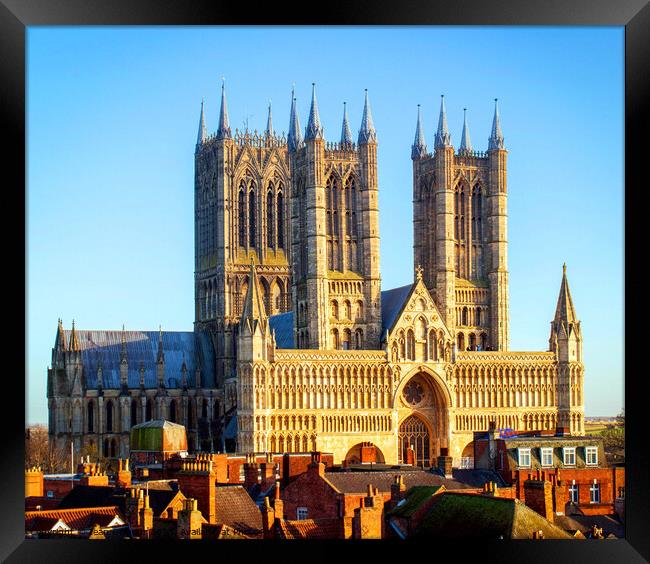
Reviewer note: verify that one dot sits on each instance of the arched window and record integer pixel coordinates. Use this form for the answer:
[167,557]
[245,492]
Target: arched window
[346,339]
[113,448]
[410,345]
[348,310]
[91,416]
[484,341]
[478,316]
[359,339]
[241,209]
[335,309]
[191,423]
[280,220]
[204,409]
[149,410]
[270,209]
[472,341]
[134,413]
[461,342]
[335,338]
[252,219]
[359,309]
[172,411]
[464,317]
[109,416]
[351,204]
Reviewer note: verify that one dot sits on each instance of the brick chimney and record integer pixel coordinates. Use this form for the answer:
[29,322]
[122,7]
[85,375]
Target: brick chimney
[189,524]
[368,453]
[146,517]
[491,489]
[368,520]
[251,472]
[94,477]
[560,493]
[123,477]
[34,482]
[268,519]
[268,473]
[278,504]
[539,497]
[197,480]
[316,465]
[397,491]
[444,462]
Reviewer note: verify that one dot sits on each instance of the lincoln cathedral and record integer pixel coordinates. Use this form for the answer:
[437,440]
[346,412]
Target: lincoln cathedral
[295,345]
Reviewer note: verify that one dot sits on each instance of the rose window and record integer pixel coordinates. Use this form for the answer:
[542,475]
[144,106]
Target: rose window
[414,393]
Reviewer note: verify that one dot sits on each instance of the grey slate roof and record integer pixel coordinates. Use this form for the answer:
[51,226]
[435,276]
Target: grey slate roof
[282,324]
[142,349]
[391,304]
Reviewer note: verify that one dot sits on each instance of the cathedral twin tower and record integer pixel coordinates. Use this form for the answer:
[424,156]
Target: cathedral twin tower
[323,263]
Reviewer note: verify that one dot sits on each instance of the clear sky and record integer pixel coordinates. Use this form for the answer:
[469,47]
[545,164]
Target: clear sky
[112,119]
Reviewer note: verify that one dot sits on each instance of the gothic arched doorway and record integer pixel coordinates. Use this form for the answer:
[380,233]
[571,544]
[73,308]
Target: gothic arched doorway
[414,433]
[423,411]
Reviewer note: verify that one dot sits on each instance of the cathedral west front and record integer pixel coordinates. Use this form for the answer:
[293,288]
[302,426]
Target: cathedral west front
[295,345]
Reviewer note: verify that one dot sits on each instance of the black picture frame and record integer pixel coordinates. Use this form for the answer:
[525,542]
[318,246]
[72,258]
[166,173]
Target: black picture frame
[16,15]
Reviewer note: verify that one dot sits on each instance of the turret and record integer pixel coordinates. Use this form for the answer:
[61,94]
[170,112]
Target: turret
[443,280]
[566,336]
[497,237]
[566,343]
[346,133]
[124,366]
[202,134]
[419,148]
[465,143]
[254,333]
[269,123]
[294,137]
[223,131]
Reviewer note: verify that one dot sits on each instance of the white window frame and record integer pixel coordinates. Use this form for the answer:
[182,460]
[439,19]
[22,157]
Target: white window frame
[574,488]
[594,492]
[526,452]
[566,451]
[302,513]
[591,451]
[546,451]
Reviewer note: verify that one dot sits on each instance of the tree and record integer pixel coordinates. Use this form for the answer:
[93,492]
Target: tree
[614,442]
[40,451]
[620,418]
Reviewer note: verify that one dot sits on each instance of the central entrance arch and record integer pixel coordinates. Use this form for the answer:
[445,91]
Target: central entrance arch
[423,411]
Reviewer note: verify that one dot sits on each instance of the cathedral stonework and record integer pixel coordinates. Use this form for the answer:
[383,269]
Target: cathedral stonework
[295,346]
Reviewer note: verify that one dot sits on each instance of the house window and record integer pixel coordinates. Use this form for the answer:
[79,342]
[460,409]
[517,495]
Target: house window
[524,457]
[569,458]
[50,493]
[573,492]
[591,455]
[594,492]
[547,456]
[301,513]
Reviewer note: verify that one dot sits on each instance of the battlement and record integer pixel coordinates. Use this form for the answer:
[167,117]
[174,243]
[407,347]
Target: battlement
[505,356]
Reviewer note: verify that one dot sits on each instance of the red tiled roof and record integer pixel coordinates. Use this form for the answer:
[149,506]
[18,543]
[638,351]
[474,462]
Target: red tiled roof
[235,508]
[76,519]
[309,529]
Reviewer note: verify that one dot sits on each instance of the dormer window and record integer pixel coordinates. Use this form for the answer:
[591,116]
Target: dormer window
[569,456]
[523,457]
[591,455]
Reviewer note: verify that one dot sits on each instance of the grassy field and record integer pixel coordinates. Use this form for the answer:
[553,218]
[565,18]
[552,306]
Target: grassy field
[597,427]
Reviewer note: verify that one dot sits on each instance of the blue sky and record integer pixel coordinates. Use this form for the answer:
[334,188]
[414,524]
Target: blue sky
[112,120]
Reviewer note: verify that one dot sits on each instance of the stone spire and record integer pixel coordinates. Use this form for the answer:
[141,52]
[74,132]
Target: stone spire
[496,138]
[443,139]
[367,133]
[60,336]
[465,143]
[224,123]
[346,133]
[294,137]
[419,148]
[161,354]
[74,339]
[253,311]
[565,311]
[202,135]
[123,358]
[269,123]
[314,128]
